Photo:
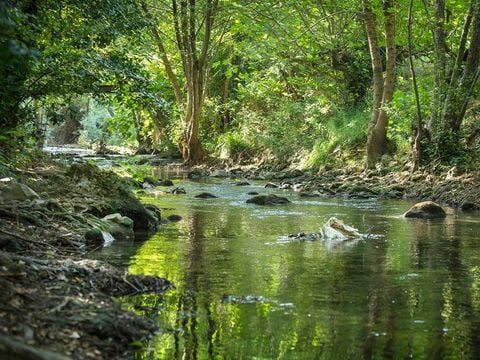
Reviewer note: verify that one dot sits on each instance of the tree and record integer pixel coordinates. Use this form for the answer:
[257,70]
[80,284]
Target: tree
[57,49]
[193,23]
[382,85]
[456,74]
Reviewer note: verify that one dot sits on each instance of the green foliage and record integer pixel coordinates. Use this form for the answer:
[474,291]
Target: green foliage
[346,131]
[232,146]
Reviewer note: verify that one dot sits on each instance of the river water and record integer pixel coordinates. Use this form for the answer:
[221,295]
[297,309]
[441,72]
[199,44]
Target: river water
[408,289]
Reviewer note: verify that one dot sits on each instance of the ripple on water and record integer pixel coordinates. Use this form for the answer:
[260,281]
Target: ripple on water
[262,214]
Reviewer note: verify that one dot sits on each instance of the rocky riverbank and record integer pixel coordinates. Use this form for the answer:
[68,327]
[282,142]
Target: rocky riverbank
[54,303]
[450,187]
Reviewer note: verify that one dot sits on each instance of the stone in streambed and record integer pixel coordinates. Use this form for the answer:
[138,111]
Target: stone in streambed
[174,218]
[268,200]
[242,183]
[166,183]
[121,227]
[335,229]
[178,191]
[205,195]
[309,194]
[171,218]
[426,210]
[468,206]
[302,236]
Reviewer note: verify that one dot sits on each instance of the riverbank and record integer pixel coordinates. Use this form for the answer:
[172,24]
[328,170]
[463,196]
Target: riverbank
[54,302]
[449,187]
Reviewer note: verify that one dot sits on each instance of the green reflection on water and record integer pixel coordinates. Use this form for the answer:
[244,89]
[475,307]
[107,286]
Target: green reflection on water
[410,290]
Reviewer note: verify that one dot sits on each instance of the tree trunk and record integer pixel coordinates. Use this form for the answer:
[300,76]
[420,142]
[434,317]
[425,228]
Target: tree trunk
[145,145]
[457,98]
[382,86]
[194,65]
[418,127]
[440,64]
[451,97]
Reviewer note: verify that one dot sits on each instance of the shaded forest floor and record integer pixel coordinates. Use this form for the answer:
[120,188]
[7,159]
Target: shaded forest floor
[53,300]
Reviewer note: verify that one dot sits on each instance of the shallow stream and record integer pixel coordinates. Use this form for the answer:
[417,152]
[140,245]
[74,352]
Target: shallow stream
[409,289]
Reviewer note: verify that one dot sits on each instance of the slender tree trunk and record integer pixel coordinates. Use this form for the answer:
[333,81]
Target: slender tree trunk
[457,98]
[382,86]
[145,143]
[440,65]
[194,66]
[418,133]
[451,97]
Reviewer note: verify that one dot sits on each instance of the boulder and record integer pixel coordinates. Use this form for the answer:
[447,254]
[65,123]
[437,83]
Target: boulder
[196,174]
[286,185]
[271,186]
[178,191]
[268,200]
[147,185]
[335,229]
[174,218]
[95,237]
[309,194]
[302,236]
[14,191]
[252,193]
[426,210]
[242,183]
[121,227]
[166,183]
[468,206]
[154,209]
[220,174]
[205,195]
[171,218]
[143,218]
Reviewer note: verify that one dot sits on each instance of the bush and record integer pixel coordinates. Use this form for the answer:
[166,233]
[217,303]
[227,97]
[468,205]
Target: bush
[231,145]
[346,131]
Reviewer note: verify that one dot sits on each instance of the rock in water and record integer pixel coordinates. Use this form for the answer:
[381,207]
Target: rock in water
[178,190]
[242,183]
[174,218]
[309,194]
[166,183]
[335,229]
[119,226]
[426,210]
[303,236]
[205,195]
[220,174]
[268,200]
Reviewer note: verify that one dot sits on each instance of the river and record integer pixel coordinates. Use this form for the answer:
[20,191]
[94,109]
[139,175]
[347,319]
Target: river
[408,289]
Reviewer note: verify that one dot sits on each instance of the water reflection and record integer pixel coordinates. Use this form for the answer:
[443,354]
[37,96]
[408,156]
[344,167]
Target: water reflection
[413,292]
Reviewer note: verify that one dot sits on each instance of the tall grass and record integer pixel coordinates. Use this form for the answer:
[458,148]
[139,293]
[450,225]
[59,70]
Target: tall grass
[346,131]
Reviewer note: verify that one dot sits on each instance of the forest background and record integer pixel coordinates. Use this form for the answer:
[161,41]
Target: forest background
[320,84]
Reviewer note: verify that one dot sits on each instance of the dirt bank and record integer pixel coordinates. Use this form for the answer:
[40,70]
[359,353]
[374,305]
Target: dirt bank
[54,303]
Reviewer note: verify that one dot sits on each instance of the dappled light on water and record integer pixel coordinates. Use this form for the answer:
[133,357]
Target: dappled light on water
[407,288]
